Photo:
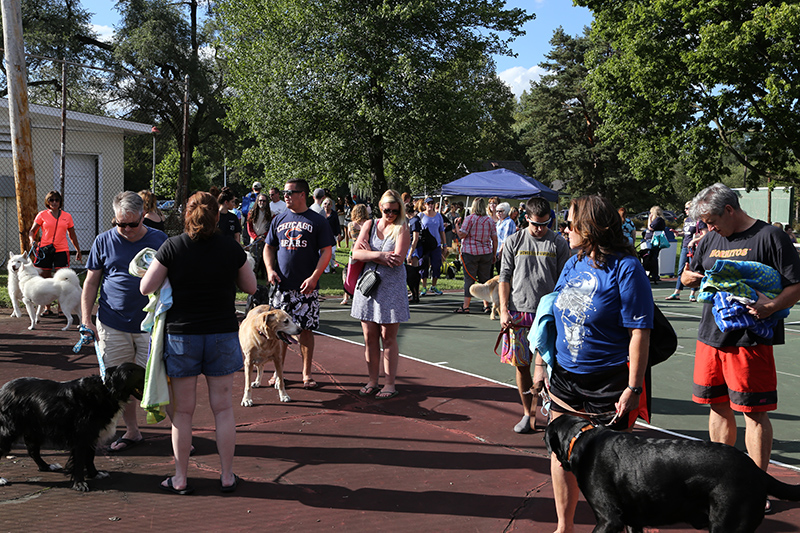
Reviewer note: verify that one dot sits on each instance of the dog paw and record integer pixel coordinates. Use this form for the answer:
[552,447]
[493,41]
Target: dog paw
[55,467]
[3,481]
[65,328]
[101,474]
[80,486]
[286,399]
[255,384]
[247,403]
[30,328]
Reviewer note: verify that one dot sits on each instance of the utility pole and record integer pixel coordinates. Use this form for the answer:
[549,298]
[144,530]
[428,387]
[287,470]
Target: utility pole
[19,119]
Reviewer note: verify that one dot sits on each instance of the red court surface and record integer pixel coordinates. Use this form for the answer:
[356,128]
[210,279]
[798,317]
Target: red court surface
[442,456]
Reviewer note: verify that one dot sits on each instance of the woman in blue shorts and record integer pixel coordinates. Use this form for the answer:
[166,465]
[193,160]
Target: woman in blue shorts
[203,268]
[603,315]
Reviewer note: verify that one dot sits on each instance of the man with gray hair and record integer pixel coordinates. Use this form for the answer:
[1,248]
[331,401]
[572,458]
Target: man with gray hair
[319,196]
[734,371]
[119,313]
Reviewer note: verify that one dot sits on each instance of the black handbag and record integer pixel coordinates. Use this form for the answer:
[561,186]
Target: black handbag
[43,255]
[369,281]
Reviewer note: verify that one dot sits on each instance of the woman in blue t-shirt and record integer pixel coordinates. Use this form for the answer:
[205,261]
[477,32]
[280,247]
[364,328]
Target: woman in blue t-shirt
[603,315]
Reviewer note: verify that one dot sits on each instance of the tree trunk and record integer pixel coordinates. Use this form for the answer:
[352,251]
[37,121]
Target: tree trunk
[376,152]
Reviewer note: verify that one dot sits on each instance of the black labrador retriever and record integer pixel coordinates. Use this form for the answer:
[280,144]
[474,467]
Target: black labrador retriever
[637,482]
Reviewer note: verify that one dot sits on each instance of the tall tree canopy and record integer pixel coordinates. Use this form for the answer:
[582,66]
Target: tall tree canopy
[366,88]
[688,82]
[558,125]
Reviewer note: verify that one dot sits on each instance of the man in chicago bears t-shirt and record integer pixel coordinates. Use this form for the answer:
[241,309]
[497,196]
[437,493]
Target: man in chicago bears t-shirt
[298,248]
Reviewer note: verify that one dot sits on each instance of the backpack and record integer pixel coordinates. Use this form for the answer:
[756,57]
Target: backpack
[663,340]
[427,241]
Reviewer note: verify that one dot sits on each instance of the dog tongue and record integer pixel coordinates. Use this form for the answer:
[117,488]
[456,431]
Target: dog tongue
[288,339]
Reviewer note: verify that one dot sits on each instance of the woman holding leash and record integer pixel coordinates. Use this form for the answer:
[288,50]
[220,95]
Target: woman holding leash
[603,315]
[478,236]
[384,244]
[55,224]
[204,268]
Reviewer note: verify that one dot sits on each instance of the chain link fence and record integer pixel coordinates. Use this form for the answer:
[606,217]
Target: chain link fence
[115,131]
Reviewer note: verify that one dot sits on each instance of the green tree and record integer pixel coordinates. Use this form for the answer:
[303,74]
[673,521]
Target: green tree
[61,29]
[687,84]
[160,42]
[365,91]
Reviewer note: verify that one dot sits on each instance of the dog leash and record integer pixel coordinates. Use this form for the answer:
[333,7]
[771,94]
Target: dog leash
[548,397]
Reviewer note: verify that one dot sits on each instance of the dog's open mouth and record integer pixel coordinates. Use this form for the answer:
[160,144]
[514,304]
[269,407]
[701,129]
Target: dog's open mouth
[288,339]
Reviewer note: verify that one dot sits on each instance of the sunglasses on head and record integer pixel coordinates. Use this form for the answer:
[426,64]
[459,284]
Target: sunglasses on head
[534,223]
[127,224]
[388,211]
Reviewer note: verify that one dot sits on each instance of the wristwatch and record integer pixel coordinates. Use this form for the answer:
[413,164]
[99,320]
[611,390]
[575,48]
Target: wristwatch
[636,390]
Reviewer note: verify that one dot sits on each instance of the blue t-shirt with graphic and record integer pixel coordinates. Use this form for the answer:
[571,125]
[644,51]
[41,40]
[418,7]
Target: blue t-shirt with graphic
[298,237]
[594,309]
[121,304]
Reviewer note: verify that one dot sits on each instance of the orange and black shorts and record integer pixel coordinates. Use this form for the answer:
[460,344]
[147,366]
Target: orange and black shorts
[744,376]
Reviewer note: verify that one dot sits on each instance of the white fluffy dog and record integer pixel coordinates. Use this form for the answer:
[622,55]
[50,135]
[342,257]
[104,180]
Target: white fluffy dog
[37,291]
[14,292]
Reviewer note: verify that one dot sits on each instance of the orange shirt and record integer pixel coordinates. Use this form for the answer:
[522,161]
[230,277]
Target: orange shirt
[47,221]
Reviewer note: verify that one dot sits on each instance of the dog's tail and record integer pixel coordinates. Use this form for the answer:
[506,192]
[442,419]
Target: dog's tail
[68,275]
[781,490]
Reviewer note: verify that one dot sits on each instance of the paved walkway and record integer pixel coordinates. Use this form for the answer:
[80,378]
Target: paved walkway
[439,457]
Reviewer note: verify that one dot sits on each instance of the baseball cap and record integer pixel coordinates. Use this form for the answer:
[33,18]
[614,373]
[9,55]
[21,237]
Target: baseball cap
[430,200]
[257,185]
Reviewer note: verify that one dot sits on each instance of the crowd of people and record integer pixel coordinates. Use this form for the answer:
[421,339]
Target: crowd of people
[587,276]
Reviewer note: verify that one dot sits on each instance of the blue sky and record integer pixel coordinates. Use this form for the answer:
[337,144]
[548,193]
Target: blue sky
[516,72]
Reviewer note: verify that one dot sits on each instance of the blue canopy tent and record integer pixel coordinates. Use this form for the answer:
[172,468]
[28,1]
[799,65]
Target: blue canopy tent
[502,183]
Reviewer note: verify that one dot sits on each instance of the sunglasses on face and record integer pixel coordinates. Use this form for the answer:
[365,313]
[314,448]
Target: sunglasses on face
[569,224]
[127,224]
[388,211]
[534,223]
[289,192]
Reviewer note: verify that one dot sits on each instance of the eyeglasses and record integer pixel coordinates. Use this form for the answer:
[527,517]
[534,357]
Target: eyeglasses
[534,223]
[289,192]
[128,224]
[388,211]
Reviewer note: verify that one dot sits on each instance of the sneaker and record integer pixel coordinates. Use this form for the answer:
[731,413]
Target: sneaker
[423,292]
[434,290]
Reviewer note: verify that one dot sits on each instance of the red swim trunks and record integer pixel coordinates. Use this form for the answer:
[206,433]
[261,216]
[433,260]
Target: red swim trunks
[743,376]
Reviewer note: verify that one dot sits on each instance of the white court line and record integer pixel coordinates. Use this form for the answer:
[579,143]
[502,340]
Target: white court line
[490,380]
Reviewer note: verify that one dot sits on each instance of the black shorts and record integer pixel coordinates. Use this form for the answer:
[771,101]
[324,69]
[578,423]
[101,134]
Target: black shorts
[593,393]
[54,262]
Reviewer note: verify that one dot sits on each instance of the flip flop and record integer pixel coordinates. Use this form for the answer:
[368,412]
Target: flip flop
[228,488]
[170,488]
[310,385]
[128,444]
[461,310]
[386,395]
[368,391]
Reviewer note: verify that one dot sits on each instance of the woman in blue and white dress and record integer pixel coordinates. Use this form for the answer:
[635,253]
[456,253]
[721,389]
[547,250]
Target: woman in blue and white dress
[383,244]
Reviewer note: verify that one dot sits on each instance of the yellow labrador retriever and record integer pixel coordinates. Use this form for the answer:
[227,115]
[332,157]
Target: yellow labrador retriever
[488,292]
[264,335]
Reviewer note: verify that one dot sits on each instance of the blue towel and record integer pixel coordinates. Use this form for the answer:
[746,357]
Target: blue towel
[542,335]
[730,314]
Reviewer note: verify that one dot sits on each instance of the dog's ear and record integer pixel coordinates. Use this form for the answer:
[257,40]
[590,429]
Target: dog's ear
[267,325]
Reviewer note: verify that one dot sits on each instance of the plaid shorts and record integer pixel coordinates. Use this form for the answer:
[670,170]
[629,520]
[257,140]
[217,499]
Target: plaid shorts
[303,308]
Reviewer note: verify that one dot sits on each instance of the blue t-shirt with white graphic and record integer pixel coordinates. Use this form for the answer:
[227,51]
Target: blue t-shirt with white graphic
[594,309]
[298,237]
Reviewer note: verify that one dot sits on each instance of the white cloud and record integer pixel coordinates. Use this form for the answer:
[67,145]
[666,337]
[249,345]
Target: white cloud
[519,78]
[105,33]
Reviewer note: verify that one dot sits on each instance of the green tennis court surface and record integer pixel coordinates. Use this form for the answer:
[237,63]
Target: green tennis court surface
[466,343]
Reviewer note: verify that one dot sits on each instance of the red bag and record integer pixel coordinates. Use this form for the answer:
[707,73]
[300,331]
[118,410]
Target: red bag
[354,269]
